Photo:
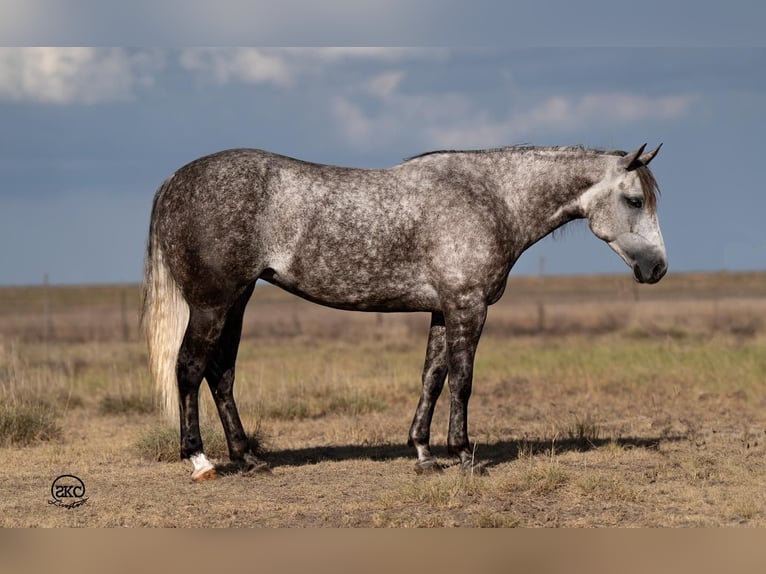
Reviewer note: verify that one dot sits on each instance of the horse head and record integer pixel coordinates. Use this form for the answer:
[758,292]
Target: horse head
[622,211]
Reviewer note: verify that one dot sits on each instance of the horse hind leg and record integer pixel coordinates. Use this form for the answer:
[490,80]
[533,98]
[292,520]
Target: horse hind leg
[434,375]
[202,332]
[220,378]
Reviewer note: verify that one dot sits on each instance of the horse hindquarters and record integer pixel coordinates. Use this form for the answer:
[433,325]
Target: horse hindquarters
[187,342]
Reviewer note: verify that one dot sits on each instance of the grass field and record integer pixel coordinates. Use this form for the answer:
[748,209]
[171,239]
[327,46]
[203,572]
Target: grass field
[598,402]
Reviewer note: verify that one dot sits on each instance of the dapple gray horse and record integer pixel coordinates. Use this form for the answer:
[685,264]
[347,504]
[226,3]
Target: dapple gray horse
[437,233]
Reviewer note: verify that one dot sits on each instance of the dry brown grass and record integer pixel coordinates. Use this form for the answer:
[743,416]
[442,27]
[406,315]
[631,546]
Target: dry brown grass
[613,406]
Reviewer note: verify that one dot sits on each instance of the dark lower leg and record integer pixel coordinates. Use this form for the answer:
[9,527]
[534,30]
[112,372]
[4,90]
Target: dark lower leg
[434,374]
[220,377]
[236,438]
[463,331]
[221,386]
[191,438]
[193,356]
[460,382]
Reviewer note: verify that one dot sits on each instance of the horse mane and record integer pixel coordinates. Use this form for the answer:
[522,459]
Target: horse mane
[519,147]
[648,184]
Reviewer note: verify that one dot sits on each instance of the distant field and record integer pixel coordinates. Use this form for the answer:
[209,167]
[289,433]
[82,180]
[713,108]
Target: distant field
[599,402]
[531,305]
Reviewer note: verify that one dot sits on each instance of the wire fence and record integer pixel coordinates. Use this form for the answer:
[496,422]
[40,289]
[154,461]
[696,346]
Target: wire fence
[551,305]
[69,313]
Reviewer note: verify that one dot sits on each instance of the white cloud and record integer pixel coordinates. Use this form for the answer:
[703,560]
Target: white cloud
[568,114]
[283,67]
[247,65]
[373,111]
[385,84]
[454,121]
[372,53]
[73,75]
[410,116]
[355,125]
[605,107]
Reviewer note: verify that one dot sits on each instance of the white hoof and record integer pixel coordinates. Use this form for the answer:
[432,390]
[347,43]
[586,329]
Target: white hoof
[203,468]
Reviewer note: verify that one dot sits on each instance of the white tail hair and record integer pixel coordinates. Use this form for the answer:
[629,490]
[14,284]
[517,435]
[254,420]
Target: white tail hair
[164,317]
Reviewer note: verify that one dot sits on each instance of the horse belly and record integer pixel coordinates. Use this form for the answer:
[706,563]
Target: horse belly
[357,288]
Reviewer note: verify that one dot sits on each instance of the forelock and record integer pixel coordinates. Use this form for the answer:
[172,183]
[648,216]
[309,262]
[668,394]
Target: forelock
[649,187]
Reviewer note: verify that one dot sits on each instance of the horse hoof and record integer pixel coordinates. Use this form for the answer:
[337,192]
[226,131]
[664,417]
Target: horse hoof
[209,474]
[429,466]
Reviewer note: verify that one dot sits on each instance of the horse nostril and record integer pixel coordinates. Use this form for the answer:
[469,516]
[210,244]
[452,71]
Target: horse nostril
[637,275]
[659,271]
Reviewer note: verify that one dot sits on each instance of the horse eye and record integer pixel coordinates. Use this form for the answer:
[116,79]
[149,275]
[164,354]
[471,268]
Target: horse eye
[635,202]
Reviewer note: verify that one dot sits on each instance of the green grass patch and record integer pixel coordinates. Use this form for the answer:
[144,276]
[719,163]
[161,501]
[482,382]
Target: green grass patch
[292,410]
[27,422]
[317,406]
[355,404]
[714,364]
[134,404]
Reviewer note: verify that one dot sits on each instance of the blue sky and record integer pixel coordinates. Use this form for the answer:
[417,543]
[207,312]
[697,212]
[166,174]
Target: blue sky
[89,133]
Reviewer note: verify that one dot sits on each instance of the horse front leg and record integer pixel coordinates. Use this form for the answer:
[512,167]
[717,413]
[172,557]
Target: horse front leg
[464,325]
[434,374]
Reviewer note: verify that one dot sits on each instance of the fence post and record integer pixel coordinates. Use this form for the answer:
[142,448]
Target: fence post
[124,314]
[46,310]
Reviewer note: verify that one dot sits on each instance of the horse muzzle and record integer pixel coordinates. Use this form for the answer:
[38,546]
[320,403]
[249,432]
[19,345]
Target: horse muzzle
[657,272]
[647,260]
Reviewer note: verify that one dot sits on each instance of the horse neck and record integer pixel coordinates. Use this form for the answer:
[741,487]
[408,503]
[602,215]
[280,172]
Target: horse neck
[542,187]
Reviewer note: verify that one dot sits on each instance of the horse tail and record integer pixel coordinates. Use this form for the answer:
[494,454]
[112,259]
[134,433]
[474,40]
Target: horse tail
[164,317]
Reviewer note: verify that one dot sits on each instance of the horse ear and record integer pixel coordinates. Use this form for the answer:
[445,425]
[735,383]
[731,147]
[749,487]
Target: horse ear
[631,161]
[649,156]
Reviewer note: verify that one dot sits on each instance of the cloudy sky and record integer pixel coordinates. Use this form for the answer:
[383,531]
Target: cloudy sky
[87,135]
